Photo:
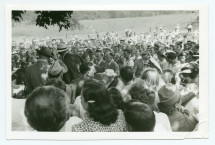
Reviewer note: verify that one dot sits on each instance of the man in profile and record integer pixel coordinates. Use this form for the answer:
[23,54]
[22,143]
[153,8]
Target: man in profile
[72,61]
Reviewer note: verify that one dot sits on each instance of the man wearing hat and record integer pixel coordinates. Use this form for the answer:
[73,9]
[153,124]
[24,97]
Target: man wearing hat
[72,61]
[170,104]
[36,73]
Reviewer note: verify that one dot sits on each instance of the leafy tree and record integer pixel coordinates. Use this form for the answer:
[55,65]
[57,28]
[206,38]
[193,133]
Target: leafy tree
[63,19]
[17,15]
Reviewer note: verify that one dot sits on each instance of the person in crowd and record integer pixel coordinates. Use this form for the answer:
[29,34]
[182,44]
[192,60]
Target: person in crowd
[100,63]
[170,104]
[141,64]
[162,60]
[152,79]
[36,74]
[174,63]
[168,76]
[19,75]
[128,61]
[72,61]
[189,28]
[86,57]
[126,80]
[190,92]
[190,73]
[47,109]
[139,116]
[152,52]
[182,58]
[103,115]
[142,93]
[111,64]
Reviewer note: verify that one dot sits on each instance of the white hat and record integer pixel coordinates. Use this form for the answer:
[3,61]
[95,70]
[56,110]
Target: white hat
[110,73]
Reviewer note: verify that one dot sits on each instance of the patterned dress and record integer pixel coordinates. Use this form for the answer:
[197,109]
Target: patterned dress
[89,125]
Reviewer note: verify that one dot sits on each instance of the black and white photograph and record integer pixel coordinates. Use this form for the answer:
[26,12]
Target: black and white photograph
[121,70]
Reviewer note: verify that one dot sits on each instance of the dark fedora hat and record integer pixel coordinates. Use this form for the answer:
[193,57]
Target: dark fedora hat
[45,51]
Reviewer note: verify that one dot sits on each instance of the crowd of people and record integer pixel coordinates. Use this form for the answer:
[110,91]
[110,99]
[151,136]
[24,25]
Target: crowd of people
[147,82]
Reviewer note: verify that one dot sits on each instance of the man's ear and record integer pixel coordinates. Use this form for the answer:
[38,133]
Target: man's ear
[177,105]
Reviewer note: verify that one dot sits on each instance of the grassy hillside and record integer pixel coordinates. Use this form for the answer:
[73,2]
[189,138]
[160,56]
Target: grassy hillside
[137,24]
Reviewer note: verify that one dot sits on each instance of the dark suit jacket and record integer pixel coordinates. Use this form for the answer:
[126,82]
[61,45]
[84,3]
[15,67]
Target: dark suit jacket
[33,75]
[100,67]
[71,61]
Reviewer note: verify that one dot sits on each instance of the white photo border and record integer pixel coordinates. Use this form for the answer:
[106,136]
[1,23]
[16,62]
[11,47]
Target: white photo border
[203,85]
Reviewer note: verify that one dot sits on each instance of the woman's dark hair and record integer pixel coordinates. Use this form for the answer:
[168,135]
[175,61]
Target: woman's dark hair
[117,98]
[139,116]
[56,83]
[141,92]
[127,73]
[168,110]
[47,109]
[100,104]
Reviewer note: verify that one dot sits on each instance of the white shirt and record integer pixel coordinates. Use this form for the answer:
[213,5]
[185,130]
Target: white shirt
[162,123]
[80,108]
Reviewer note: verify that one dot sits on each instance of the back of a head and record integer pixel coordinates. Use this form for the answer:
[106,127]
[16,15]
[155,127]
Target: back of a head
[139,116]
[141,92]
[46,109]
[151,77]
[171,55]
[100,105]
[127,74]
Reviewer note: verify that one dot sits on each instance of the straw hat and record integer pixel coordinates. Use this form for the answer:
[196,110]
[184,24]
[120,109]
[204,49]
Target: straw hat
[62,47]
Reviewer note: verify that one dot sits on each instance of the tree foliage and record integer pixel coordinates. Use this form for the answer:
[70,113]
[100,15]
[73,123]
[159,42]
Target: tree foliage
[63,19]
[17,15]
